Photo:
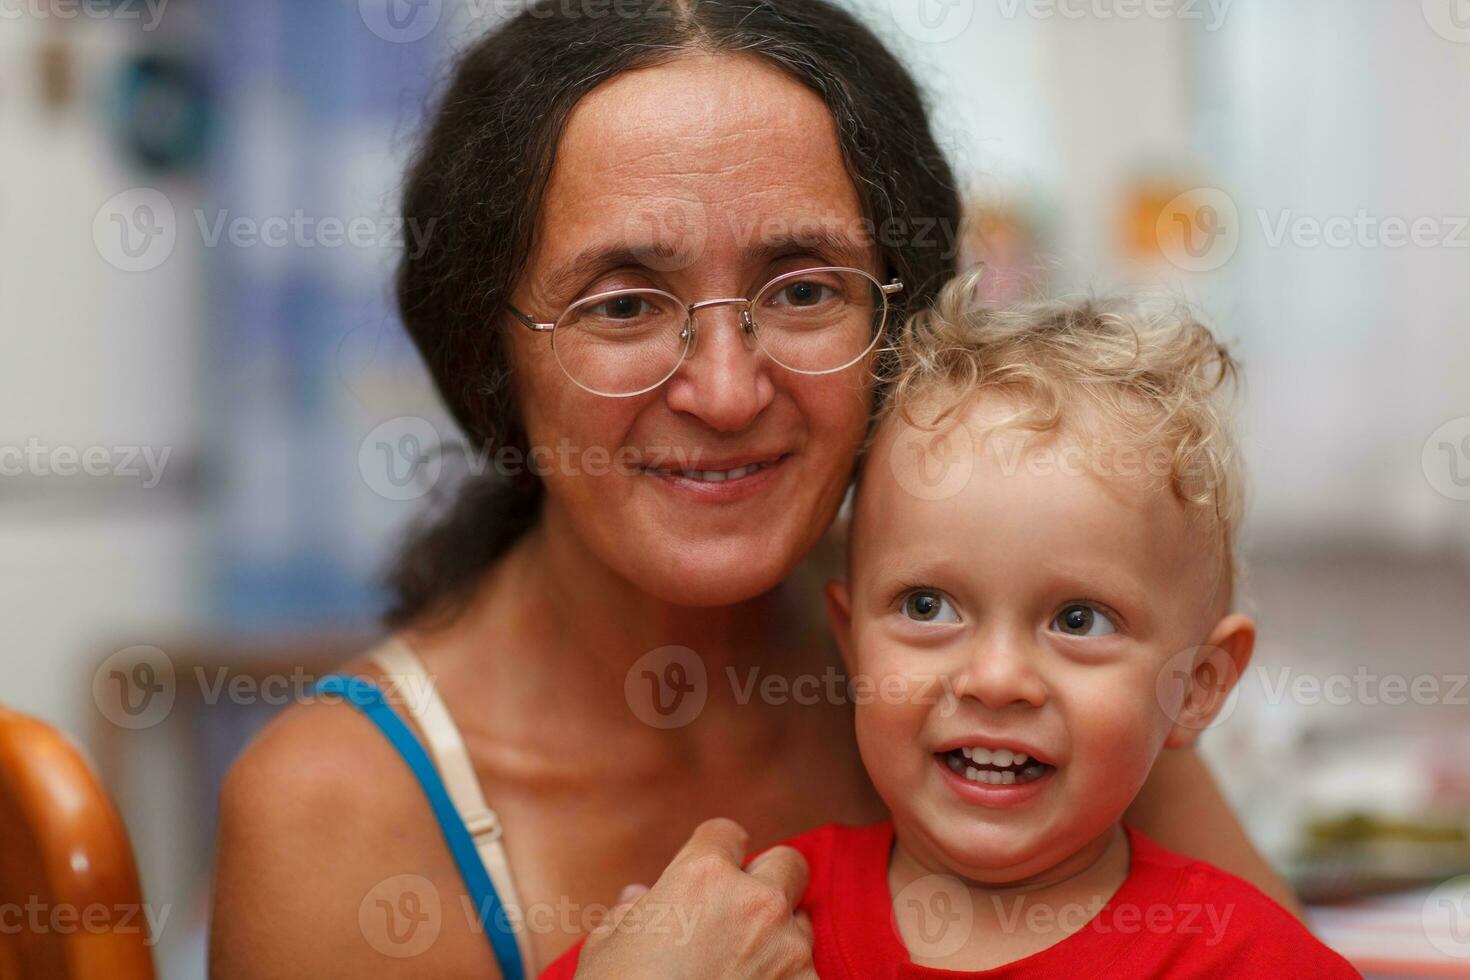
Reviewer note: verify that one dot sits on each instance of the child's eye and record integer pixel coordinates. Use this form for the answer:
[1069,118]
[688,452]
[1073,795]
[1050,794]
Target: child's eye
[1080,620]
[928,606]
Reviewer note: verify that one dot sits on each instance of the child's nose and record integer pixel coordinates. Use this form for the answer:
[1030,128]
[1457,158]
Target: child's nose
[1000,672]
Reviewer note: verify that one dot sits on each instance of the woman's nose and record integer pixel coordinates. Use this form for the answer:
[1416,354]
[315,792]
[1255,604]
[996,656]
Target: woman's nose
[724,380]
[1001,671]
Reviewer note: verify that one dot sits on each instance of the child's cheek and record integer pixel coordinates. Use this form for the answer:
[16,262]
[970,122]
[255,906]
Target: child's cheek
[892,710]
[1116,735]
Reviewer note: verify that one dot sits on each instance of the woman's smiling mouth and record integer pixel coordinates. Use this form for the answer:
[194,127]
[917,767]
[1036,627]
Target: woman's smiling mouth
[712,476]
[725,482]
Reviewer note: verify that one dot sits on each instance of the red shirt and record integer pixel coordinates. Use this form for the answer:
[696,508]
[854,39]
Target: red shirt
[1173,917]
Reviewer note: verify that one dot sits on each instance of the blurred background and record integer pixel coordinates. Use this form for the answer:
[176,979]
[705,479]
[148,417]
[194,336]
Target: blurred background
[212,428]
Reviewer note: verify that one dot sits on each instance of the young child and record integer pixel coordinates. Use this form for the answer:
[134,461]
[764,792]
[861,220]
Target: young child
[1038,603]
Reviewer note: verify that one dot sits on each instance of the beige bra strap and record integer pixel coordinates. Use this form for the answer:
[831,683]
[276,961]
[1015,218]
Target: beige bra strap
[418,691]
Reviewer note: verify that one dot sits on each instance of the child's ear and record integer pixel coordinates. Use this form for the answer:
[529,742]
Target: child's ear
[839,613]
[1213,670]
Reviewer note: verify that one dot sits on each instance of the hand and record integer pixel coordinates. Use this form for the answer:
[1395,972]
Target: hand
[706,916]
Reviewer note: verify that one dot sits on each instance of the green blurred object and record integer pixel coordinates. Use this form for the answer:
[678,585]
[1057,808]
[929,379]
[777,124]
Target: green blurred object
[1358,855]
[1362,827]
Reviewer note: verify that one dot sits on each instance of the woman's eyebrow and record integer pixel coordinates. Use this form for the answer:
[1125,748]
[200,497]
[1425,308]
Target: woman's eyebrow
[569,275]
[824,240]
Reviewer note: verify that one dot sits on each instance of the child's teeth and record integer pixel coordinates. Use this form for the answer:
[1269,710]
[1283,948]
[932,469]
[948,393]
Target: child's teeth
[982,756]
[988,776]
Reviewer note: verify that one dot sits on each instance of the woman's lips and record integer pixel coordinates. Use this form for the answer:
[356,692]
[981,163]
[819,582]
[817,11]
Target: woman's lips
[721,485]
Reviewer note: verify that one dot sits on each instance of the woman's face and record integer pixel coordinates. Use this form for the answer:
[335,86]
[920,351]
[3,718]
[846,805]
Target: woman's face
[704,177]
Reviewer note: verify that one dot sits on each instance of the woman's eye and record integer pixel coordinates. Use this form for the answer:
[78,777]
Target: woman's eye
[1080,620]
[926,606]
[621,307]
[803,294]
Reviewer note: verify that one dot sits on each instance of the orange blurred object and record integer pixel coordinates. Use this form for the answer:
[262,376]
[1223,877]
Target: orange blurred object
[68,879]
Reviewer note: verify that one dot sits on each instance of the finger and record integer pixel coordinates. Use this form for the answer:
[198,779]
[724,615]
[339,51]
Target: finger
[631,894]
[616,913]
[720,837]
[785,868]
[803,924]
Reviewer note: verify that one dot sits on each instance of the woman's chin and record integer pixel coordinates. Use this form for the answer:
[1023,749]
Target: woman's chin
[715,576]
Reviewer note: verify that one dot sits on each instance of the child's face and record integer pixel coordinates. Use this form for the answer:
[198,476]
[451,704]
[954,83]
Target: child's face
[1032,609]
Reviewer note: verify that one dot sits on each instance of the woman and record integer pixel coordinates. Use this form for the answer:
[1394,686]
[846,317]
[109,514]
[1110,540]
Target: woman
[688,153]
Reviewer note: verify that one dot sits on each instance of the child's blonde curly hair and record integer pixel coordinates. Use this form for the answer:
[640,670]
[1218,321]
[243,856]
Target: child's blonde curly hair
[1150,372]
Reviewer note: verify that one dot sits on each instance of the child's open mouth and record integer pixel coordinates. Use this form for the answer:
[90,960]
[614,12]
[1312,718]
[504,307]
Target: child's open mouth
[998,767]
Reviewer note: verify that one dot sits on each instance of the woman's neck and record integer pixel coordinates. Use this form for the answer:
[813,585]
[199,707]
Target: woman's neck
[582,627]
[546,656]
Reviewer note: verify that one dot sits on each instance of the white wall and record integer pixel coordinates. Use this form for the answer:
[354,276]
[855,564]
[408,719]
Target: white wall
[90,356]
[1356,354]
[1312,109]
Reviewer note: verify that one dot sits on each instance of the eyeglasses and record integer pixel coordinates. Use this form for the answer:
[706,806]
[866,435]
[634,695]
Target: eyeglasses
[629,341]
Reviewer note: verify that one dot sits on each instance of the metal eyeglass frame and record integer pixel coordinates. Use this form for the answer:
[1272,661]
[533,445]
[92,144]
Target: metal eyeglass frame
[747,323]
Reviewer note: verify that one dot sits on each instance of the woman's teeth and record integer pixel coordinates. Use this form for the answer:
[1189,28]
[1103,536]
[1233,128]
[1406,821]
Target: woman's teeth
[998,767]
[713,476]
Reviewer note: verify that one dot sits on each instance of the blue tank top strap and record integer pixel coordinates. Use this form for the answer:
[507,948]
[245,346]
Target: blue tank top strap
[368,698]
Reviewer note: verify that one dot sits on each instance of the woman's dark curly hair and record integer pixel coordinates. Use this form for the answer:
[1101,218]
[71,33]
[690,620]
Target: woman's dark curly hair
[482,170]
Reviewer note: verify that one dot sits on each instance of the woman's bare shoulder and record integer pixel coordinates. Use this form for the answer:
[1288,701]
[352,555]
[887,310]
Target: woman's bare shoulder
[315,754]
[317,813]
